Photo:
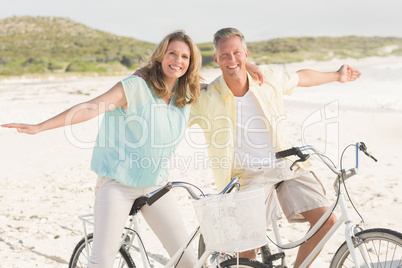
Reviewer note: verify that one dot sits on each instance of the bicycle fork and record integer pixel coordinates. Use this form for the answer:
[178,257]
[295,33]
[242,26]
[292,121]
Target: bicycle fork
[349,230]
[351,239]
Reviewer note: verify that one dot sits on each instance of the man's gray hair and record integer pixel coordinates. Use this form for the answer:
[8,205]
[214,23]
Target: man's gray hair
[226,33]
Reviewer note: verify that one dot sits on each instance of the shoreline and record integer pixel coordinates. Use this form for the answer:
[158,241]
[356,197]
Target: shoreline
[292,66]
[316,105]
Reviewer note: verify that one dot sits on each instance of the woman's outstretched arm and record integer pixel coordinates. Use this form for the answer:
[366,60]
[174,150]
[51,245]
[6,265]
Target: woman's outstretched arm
[112,99]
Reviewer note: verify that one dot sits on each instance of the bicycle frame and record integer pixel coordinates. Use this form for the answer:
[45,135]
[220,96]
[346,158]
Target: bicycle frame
[178,253]
[350,228]
[133,229]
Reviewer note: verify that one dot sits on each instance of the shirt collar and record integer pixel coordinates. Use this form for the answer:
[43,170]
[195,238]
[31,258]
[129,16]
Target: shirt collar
[225,91]
[251,82]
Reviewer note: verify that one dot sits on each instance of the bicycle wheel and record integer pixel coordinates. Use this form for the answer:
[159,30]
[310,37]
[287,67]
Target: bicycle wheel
[80,256]
[383,247]
[263,255]
[242,262]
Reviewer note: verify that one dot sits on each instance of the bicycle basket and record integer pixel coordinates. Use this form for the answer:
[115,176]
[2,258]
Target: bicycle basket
[233,222]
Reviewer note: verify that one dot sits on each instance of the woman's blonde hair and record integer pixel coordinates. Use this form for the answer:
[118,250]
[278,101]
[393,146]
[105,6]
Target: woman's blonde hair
[188,87]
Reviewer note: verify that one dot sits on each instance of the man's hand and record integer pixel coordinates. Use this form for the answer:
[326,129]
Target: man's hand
[348,74]
[139,73]
[310,78]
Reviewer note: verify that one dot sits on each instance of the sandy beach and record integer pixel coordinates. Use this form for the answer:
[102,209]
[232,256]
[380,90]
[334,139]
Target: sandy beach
[46,182]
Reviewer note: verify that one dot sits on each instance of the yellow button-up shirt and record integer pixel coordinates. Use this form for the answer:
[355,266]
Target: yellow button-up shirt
[215,109]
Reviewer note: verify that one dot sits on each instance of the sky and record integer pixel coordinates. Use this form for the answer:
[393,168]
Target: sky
[258,20]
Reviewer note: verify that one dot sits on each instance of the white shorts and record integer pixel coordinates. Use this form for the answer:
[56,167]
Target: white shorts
[299,190]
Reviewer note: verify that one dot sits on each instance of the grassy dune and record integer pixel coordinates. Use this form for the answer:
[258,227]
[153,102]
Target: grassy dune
[43,45]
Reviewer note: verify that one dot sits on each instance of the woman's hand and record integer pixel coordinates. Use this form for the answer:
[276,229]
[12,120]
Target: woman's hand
[24,128]
[255,72]
[111,99]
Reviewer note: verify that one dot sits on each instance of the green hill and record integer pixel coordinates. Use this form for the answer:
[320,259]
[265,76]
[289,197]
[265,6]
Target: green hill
[324,48]
[50,44]
[286,50]
[60,45]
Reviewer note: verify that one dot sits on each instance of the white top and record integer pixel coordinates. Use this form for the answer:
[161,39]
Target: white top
[253,142]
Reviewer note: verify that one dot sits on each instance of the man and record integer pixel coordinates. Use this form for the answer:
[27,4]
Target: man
[241,123]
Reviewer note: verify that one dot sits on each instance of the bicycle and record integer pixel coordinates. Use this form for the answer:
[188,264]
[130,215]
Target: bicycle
[82,250]
[377,247]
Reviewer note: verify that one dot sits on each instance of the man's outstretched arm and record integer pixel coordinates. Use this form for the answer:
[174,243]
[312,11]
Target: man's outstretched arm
[309,78]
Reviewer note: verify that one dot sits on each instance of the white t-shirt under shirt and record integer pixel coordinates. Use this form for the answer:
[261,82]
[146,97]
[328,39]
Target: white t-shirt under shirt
[253,142]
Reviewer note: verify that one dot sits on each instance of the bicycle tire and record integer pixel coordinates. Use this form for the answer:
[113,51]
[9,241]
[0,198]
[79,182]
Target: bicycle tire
[80,257]
[384,247]
[243,262]
[263,256]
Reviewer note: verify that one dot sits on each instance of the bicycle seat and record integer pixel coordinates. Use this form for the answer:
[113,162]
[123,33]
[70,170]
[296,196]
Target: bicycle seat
[138,204]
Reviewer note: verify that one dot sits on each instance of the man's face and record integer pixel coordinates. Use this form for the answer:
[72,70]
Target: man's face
[231,57]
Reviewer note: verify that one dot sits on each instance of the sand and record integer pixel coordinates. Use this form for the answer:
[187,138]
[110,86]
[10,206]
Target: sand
[46,182]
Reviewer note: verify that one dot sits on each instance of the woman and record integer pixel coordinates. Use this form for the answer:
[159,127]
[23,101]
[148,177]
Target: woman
[143,123]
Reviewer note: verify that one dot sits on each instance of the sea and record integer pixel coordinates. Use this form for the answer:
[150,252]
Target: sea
[379,87]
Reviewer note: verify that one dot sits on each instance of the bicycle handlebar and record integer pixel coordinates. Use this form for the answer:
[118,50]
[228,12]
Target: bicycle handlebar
[157,194]
[293,151]
[297,151]
[289,152]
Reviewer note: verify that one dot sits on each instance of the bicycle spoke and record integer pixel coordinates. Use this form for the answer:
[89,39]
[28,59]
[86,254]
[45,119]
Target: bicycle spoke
[379,248]
[368,250]
[376,254]
[82,253]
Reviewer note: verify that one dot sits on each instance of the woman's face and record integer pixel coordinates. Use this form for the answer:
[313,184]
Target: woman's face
[176,60]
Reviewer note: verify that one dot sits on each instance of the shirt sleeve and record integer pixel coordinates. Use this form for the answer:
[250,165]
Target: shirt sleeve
[196,110]
[137,92]
[289,82]
[282,81]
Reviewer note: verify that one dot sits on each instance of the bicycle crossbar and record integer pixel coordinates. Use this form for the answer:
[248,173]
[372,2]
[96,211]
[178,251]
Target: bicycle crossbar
[311,232]
[324,240]
[179,252]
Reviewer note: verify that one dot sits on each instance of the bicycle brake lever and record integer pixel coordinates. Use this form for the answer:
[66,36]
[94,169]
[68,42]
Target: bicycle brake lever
[363,148]
[303,158]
